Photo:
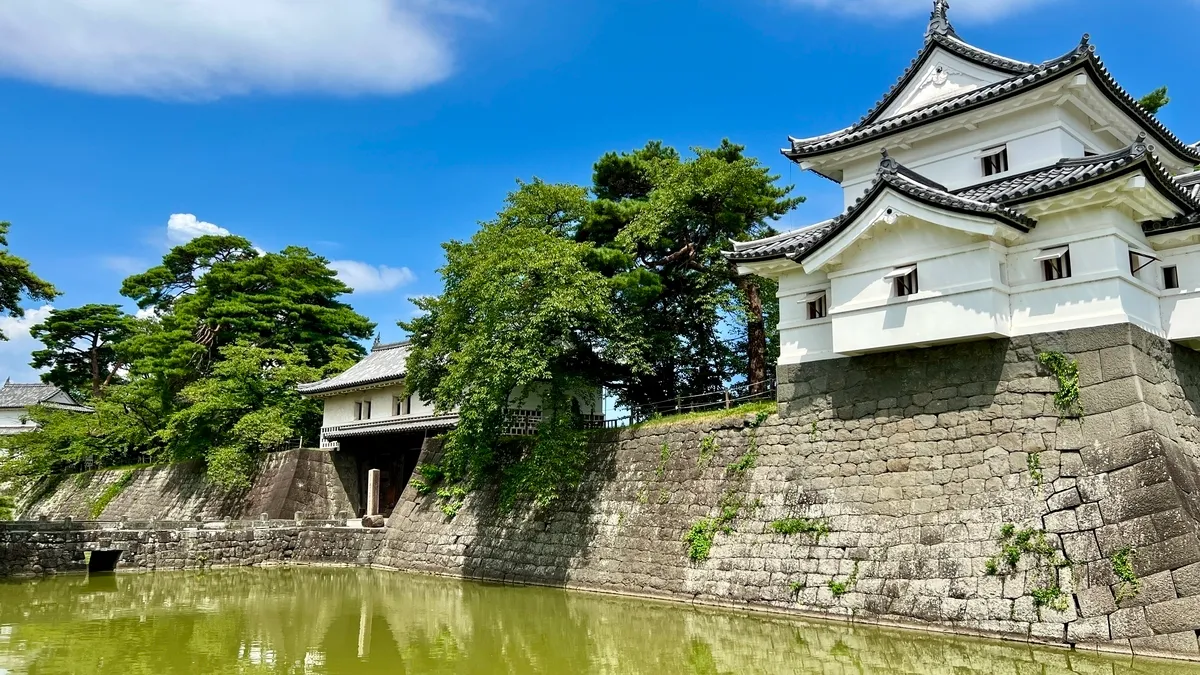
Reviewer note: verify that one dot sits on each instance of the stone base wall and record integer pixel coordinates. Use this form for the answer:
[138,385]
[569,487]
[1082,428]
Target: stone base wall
[915,462]
[898,476]
[35,548]
[315,482]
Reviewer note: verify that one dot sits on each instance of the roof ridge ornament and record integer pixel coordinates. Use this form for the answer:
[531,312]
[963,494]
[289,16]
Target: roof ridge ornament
[939,20]
[887,163]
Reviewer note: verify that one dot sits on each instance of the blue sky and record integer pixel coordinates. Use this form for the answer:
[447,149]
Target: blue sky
[372,130]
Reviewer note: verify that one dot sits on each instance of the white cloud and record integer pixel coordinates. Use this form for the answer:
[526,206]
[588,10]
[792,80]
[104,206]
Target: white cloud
[367,278]
[203,49]
[967,10]
[16,352]
[184,227]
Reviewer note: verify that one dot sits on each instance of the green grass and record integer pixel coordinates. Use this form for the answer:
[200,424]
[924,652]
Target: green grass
[115,488]
[768,407]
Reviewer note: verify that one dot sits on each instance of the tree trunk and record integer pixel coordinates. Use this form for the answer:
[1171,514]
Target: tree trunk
[756,336]
[95,369]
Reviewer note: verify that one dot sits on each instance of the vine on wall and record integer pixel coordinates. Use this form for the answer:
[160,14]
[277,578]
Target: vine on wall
[1066,370]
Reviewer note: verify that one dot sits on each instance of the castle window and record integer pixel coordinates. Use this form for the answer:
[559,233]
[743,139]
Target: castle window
[366,410]
[817,306]
[1056,263]
[1170,277]
[358,410]
[994,160]
[1138,261]
[904,280]
[403,405]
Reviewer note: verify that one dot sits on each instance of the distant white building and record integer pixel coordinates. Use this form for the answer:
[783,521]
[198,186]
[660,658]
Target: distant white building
[17,399]
[985,198]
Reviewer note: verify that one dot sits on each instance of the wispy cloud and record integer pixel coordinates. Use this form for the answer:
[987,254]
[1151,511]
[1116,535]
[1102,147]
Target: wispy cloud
[203,49]
[124,264]
[184,227]
[16,352]
[968,10]
[366,278]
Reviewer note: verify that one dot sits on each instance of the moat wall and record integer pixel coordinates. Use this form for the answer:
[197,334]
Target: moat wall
[314,482]
[915,461]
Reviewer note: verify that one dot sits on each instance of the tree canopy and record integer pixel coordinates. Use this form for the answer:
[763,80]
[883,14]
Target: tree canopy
[17,281]
[1155,100]
[210,375]
[80,347]
[619,285]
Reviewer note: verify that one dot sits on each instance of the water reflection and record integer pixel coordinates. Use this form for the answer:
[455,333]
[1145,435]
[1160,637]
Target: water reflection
[363,621]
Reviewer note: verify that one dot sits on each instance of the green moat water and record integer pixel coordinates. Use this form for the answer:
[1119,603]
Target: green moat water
[311,620]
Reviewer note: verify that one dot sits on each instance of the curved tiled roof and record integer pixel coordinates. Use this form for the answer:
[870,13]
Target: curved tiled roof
[1083,56]
[801,243]
[1071,174]
[385,363]
[15,395]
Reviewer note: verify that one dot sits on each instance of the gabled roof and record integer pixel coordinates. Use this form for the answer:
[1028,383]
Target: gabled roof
[1072,174]
[385,364]
[13,395]
[801,243]
[1083,57]
[941,33]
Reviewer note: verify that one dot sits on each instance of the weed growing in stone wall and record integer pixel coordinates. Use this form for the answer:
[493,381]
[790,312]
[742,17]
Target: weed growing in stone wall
[430,476]
[7,506]
[1066,370]
[450,499]
[1016,544]
[699,537]
[812,432]
[663,496]
[840,588]
[789,526]
[796,586]
[664,456]
[96,507]
[1122,567]
[1034,461]
[746,462]
[708,448]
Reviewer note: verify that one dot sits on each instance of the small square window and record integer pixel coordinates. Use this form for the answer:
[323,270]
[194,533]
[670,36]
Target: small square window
[1170,277]
[904,280]
[1056,263]
[817,307]
[994,161]
[1139,261]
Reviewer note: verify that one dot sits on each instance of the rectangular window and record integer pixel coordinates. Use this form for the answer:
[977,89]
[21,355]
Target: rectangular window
[994,161]
[904,280]
[404,405]
[1056,263]
[817,308]
[358,410]
[366,407]
[1170,277]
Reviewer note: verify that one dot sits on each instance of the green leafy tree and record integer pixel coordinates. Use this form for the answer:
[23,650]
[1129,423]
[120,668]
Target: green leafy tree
[17,281]
[247,406]
[80,347]
[215,291]
[523,309]
[1155,100]
[675,216]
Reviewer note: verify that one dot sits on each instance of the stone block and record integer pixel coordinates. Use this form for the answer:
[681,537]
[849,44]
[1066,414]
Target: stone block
[1089,368]
[1081,547]
[1154,588]
[1119,453]
[1089,516]
[1117,362]
[1187,580]
[1094,629]
[1129,623]
[1183,642]
[1095,601]
[1060,522]
[1110,395]
[1171,554]
[1173,616]
[1121,506]
[1063,500]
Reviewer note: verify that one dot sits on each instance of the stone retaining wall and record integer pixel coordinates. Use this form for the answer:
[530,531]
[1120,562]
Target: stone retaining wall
[315,482]
[915,462]
[52,548]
